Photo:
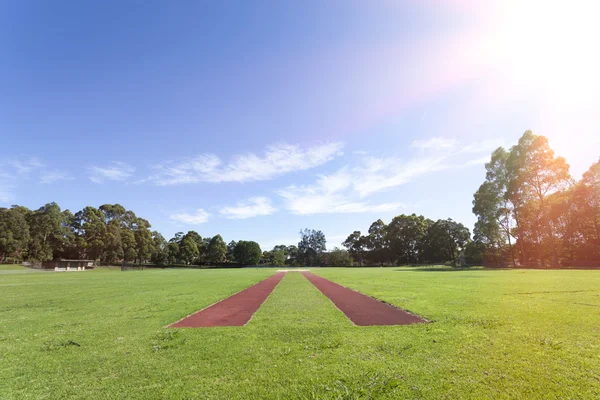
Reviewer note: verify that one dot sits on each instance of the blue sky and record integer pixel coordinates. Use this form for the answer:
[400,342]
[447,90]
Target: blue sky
[257,119]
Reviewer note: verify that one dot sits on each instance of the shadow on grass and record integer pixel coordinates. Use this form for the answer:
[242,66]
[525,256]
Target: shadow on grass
[444,269]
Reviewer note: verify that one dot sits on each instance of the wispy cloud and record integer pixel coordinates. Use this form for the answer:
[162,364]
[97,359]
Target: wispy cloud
[348,189]
[484,146]
[197,218]
[116,171]
[6,193]
[277,160]
[54,176]
[331,194]
[25,166]
[478,161]
[434,143]
[12,171]
[379,174]
[252,207]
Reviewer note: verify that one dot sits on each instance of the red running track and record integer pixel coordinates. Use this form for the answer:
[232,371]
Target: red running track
[235,310]
[360,309]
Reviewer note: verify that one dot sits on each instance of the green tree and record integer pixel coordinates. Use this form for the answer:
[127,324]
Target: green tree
[173,252]
[446,239]
[494,207]
[274,257]
[338,258]
[188,250]
[46,232]
[231,251]
[129,245]
[113,246]
[536,173]
[312,244]
[177,238]
[160,255]
[91,228]
[216,250]
[247,252]
[584,219]
[144,242]
[377,242]
[356,245]
[14,233]
[404,235]
[292,251]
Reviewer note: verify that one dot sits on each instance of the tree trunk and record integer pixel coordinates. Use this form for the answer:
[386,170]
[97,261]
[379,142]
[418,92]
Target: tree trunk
[512,253]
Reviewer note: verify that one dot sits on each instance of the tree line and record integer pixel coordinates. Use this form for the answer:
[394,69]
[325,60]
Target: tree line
[111,234]
[412,239]
[531,212]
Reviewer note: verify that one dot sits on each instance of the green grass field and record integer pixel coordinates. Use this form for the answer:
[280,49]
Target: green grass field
[494,334]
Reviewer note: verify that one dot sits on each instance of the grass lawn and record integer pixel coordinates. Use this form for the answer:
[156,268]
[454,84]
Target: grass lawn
[12,267]
[494,334]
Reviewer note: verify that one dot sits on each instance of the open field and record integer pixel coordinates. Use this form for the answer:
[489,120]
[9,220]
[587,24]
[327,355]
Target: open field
[495,334]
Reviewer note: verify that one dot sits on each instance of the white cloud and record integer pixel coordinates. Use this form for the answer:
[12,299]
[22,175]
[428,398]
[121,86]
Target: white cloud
[484,146]
[277,160]
[116,171]
[478,161]
[384,173]
[22,167]
[252,207]
[434,143]
[53,176]
[199,217]
[347,190]
[331,194]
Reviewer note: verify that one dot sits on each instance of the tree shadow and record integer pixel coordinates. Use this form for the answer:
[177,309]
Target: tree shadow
[445,269]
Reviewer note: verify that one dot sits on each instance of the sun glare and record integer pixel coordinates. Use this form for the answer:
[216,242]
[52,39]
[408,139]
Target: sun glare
[550,46]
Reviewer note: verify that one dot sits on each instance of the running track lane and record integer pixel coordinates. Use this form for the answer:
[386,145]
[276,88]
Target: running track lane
[359,308]
[235,310]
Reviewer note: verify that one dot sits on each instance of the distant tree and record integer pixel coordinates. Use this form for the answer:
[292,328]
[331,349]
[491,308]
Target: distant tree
[292,251]
[160,254]
[356,245]
[404,236]
[113,249]
[274,257]
[143,240]
[338,258]
[177,238]
[46,232]
[283,248]
[377,242]
[188,250]
[14,233]
[129,245]
[216,250]
[446,239]
[91,229]
[581,233]
[113,212]
[231,250]
[474,252]
[203,250]
[173,252]
[536,173]
[247,252]
[312,244]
